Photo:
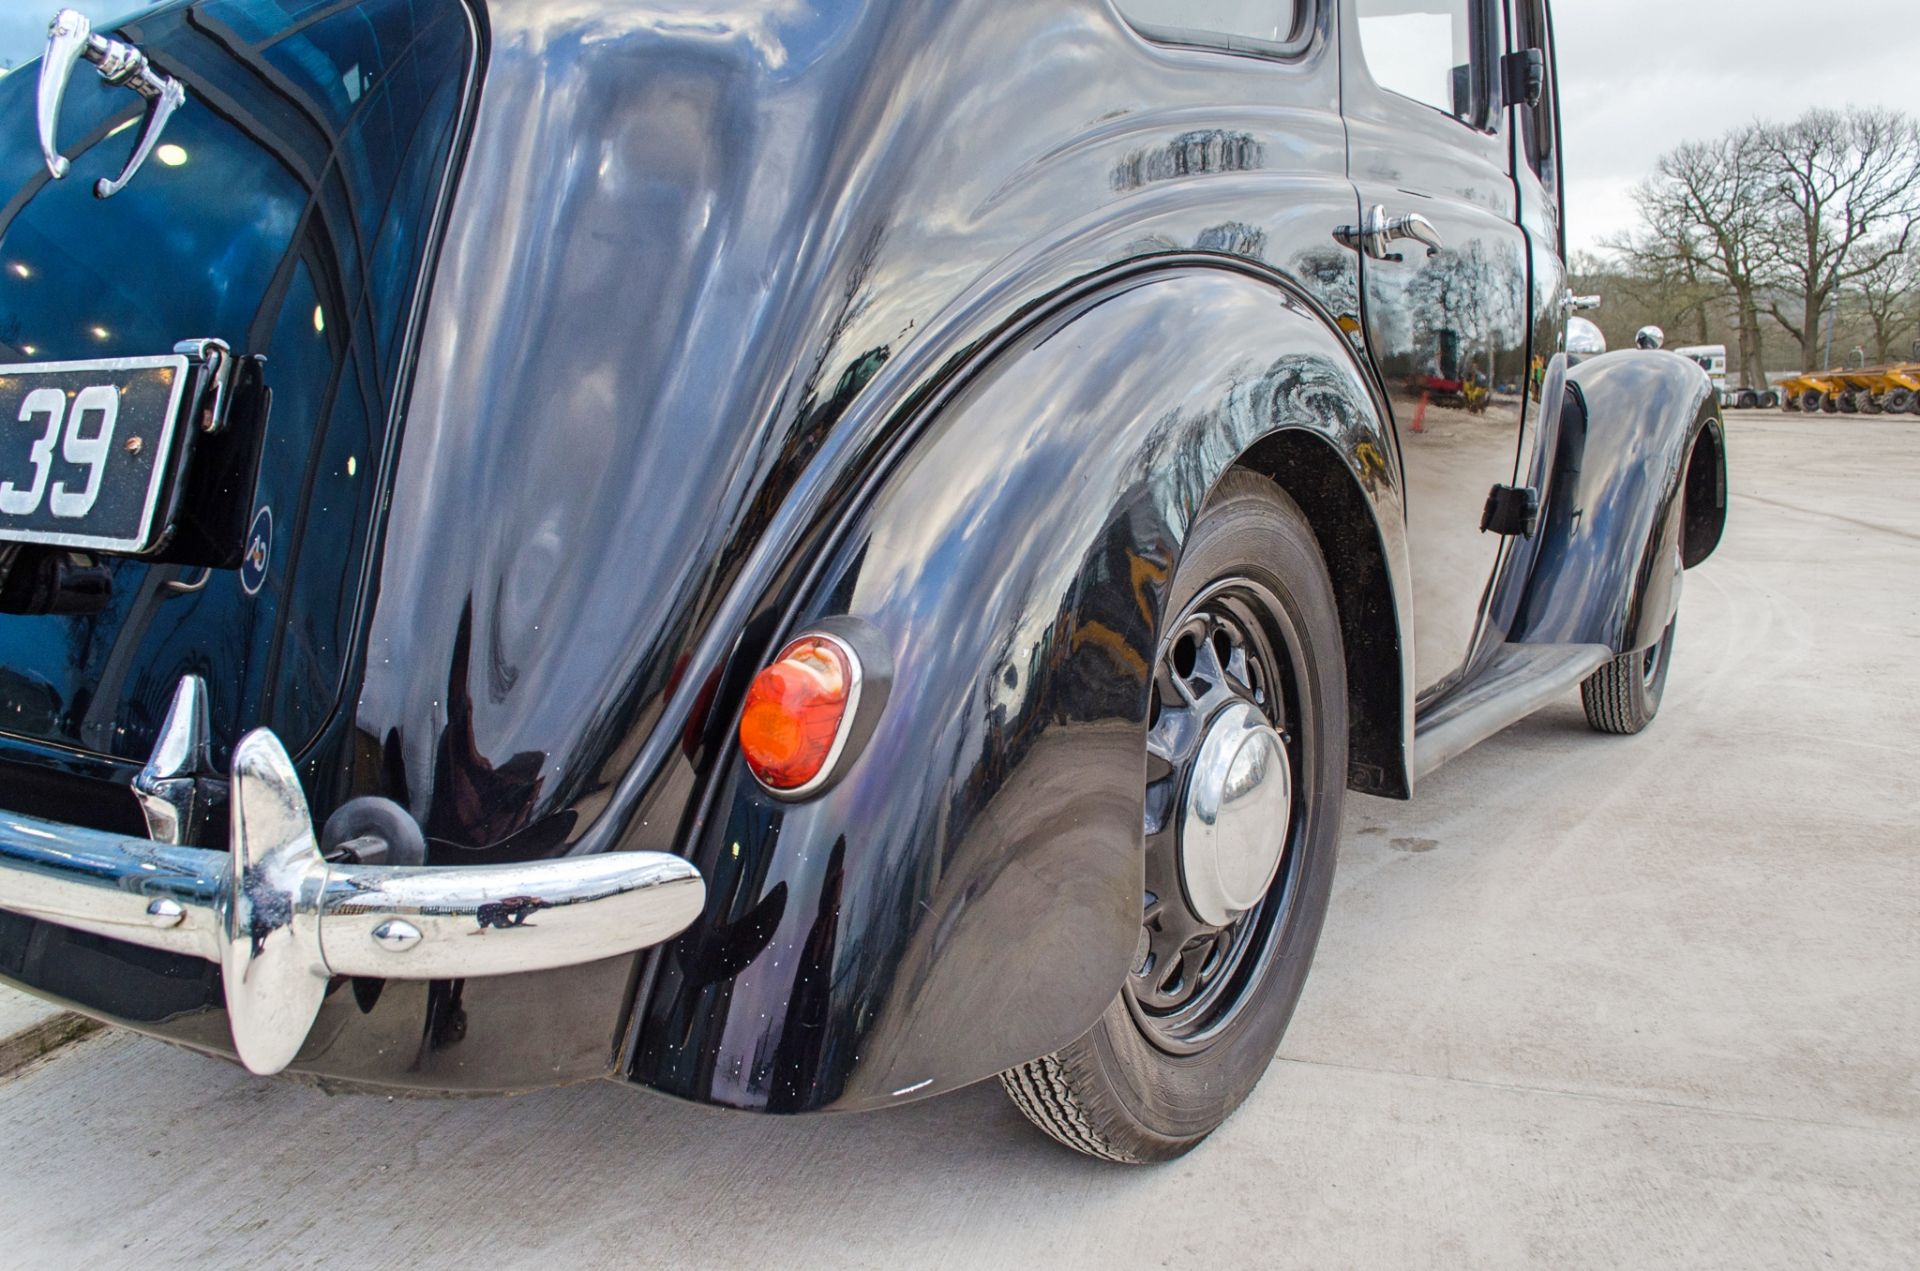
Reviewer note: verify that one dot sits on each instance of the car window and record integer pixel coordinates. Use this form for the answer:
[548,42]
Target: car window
[1255,25]
[1421,49]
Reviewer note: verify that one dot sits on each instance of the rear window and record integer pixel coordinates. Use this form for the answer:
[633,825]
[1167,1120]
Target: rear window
[1251,26]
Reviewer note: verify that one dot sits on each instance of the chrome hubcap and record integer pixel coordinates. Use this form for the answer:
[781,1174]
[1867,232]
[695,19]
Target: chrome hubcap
[1239,801]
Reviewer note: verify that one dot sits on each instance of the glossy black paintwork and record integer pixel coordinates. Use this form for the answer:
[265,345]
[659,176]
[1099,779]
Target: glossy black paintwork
[945,315]
[289,217]
[883,940]
[1448,332]
[1605,568]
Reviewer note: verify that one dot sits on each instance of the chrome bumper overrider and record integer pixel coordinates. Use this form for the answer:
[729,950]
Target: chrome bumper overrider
[281,920]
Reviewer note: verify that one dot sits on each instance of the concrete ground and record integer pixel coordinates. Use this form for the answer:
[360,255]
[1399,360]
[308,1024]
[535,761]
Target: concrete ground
[1586,1001]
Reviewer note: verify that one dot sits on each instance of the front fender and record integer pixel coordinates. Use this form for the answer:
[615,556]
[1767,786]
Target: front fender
[1605,567]
[968,896]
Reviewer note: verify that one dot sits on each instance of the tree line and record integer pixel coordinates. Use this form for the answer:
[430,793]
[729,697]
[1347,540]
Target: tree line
[1795,243]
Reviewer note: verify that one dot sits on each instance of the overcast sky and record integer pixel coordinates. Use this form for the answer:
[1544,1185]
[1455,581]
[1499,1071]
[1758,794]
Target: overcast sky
[1638,77]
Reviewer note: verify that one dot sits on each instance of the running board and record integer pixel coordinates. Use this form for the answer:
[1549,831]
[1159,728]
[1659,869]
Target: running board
[1519,680]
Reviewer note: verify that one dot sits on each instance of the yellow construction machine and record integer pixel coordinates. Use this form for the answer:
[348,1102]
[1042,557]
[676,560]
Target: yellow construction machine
[1871,390]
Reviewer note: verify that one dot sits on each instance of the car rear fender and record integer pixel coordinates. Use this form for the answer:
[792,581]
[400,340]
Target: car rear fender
[1635,492]
[967,896]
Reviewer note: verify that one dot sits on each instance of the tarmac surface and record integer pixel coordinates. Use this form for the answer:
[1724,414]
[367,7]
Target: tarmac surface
[1585,1001]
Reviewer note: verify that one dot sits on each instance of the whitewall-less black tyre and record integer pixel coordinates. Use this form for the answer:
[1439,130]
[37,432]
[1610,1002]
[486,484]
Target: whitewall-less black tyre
[1624,695]
[1245,769]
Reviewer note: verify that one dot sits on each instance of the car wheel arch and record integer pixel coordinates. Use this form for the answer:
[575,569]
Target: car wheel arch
[1305,465]
[930,853]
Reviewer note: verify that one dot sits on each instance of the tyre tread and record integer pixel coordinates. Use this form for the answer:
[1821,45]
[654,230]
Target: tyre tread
[1617,697]
[1044,1092]
[1609,696]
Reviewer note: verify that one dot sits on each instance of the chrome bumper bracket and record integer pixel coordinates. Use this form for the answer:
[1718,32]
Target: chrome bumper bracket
[281,920]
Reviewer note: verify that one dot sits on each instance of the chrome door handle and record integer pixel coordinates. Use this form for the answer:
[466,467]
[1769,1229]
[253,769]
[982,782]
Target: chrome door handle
[1376,235]
[70,38]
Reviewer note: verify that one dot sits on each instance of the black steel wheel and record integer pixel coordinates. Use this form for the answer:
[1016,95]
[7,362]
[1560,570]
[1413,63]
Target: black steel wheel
[1829,403]
[1847,403]
[1899,401]
[1746,399]
[1243,777]
[1770,400]
[1189,972]
[1811,401]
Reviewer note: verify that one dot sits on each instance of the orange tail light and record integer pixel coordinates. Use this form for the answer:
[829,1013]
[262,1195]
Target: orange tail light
[798,712]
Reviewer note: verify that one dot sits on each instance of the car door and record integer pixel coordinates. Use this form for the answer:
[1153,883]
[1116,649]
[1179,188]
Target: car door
[1445,297]
[1538,182]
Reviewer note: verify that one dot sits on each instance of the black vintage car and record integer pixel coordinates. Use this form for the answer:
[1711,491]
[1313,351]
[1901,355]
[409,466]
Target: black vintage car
[796,553]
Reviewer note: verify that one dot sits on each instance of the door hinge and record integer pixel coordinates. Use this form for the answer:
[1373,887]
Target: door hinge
[1512,510]
[1523,78]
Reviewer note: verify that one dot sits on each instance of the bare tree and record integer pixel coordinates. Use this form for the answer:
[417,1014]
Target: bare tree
[1889,296]
[1705,220]
[1846,199]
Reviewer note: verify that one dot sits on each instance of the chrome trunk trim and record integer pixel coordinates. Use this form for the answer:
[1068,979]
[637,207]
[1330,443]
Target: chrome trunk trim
[281,921]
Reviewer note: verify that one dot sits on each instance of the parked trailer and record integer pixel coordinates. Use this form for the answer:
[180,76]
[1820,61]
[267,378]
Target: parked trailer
[1872,390]
[1712,358]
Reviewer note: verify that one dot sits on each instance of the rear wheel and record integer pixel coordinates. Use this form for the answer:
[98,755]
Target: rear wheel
[1899,401]
[1624,695]
[1245,768]
[1869,404]
[1846,403]
[1770,400]
[1746,400]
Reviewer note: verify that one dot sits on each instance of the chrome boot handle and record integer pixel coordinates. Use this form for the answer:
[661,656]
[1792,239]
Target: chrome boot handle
[70,37]
[1376,235]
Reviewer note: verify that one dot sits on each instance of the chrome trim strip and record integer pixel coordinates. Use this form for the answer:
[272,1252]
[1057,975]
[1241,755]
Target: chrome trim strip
[281,921]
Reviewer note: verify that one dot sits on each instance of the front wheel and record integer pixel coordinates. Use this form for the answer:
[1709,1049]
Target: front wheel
[1624,695]
[1244,770]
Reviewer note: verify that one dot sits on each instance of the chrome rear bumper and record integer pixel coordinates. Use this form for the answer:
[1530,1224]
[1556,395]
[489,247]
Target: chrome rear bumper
[281,920]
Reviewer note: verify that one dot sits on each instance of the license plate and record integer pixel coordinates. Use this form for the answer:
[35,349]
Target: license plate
[85,450]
